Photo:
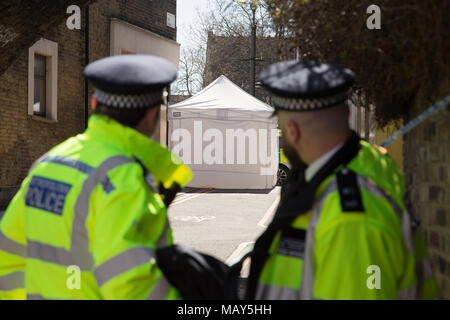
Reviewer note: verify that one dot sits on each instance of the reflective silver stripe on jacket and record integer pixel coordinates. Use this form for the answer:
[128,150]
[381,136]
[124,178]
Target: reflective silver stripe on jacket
[425,269]
[68,162]
[39,297]
[307,282]
[160,290]
[163,240]
[404,216]
[35,297]
[11,281]
[122,262]
[272,292]
[79,250]
[269,292]
[52,254]
[150,181]
[408,294]
[74,164]
[10,246]
[80,237]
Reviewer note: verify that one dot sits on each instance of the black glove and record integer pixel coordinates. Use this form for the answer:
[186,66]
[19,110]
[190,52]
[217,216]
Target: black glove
[197,276]
[169,194]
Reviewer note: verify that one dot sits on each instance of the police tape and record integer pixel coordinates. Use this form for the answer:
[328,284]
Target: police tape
[417,120]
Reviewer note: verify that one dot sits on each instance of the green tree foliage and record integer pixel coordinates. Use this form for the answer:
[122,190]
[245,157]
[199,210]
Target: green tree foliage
[409,54]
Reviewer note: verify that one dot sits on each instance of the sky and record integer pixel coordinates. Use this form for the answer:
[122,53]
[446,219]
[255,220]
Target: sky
[186,14]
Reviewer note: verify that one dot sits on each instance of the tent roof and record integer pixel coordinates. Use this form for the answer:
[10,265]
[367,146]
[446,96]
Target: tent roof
[222,93]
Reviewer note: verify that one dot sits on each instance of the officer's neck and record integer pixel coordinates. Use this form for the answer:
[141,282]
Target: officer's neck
[317,147]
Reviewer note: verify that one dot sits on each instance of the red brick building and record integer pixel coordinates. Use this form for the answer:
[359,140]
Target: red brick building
[43,95]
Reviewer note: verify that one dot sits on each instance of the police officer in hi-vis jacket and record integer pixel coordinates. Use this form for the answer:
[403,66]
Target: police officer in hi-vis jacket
[95,205]
[342,230]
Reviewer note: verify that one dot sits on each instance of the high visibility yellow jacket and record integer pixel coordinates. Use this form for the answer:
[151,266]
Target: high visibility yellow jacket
[88,217]
[356,241]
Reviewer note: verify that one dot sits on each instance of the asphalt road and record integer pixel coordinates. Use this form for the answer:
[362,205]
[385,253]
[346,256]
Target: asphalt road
[221,222]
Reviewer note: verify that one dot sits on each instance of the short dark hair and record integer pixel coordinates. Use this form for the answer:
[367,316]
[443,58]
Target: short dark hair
[126,117]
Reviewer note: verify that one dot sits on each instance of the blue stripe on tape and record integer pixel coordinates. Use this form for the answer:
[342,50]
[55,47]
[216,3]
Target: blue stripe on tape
[417,120]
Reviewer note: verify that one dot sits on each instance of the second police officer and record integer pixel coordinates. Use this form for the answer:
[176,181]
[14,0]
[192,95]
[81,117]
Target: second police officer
[342,230]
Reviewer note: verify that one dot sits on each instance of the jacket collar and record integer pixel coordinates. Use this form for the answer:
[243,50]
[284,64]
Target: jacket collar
[314,167]
[301,200]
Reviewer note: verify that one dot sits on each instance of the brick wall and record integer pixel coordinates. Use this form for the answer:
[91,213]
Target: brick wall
[174,99]
[22,139]
[23,22]
[229,56]
[149,14]
[427,174]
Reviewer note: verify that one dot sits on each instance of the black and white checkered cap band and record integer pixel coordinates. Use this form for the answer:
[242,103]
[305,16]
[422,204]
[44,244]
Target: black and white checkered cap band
[129,101]
[297,104]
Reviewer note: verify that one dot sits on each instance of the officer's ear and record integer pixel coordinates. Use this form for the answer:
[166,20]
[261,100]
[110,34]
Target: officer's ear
[293,132]
[347,110]
[149,121]
[151,116]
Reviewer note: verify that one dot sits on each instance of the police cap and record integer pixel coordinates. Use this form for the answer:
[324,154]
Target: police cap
[130,81]
[306,85]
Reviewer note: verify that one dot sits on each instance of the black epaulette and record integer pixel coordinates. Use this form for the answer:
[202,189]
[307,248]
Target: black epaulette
[349,193]
[292,242]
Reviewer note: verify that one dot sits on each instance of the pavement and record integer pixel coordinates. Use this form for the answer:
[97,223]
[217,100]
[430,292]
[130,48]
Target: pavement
[222,223]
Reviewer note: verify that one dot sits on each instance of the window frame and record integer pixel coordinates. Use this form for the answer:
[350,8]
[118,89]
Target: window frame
[48,49]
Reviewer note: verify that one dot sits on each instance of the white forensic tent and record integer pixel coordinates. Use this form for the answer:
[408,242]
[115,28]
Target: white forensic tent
[226,136]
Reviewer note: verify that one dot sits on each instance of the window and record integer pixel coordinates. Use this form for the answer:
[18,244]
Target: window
[40,79]
[43,80]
